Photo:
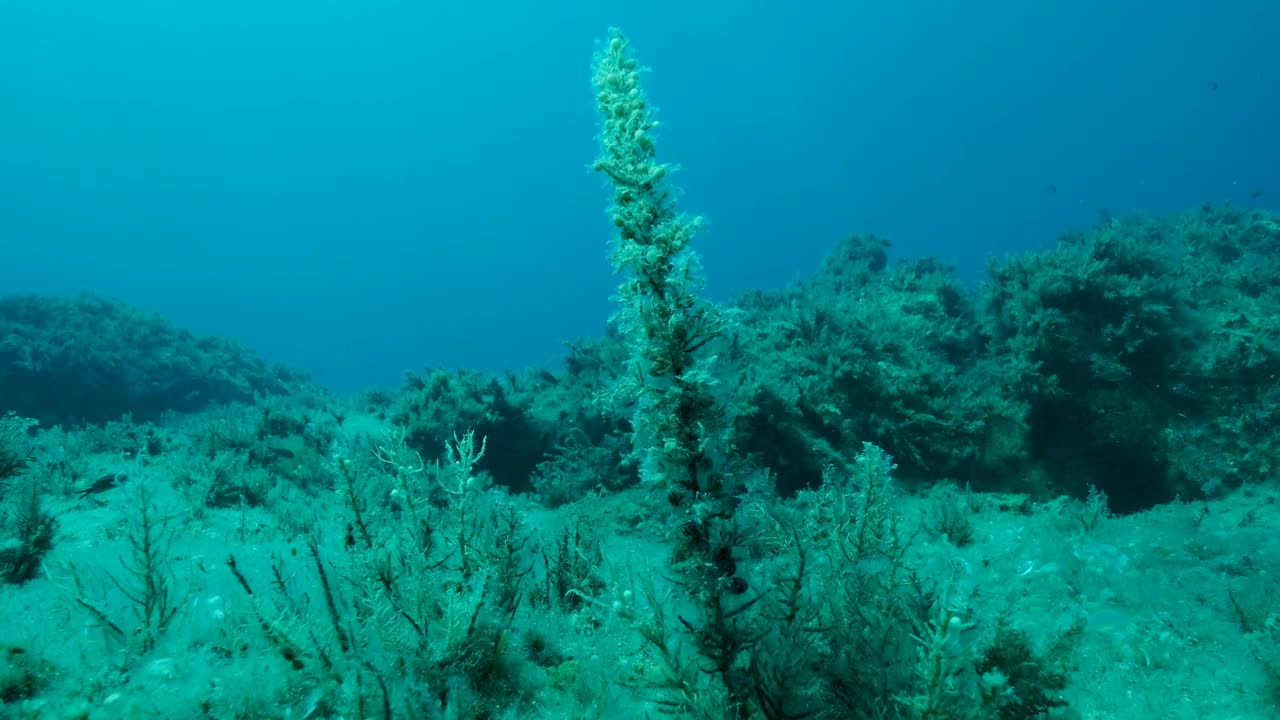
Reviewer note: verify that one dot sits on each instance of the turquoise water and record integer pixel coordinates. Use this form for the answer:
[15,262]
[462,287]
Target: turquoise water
[361,189]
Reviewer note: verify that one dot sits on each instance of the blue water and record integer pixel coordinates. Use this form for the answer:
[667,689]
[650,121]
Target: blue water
[363,188]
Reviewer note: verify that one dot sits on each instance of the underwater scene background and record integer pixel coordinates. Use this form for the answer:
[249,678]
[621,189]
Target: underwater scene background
[393,360]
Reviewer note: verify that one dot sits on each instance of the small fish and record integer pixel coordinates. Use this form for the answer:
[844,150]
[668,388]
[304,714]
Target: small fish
[1258,193]
[1213,86]
[104,483]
